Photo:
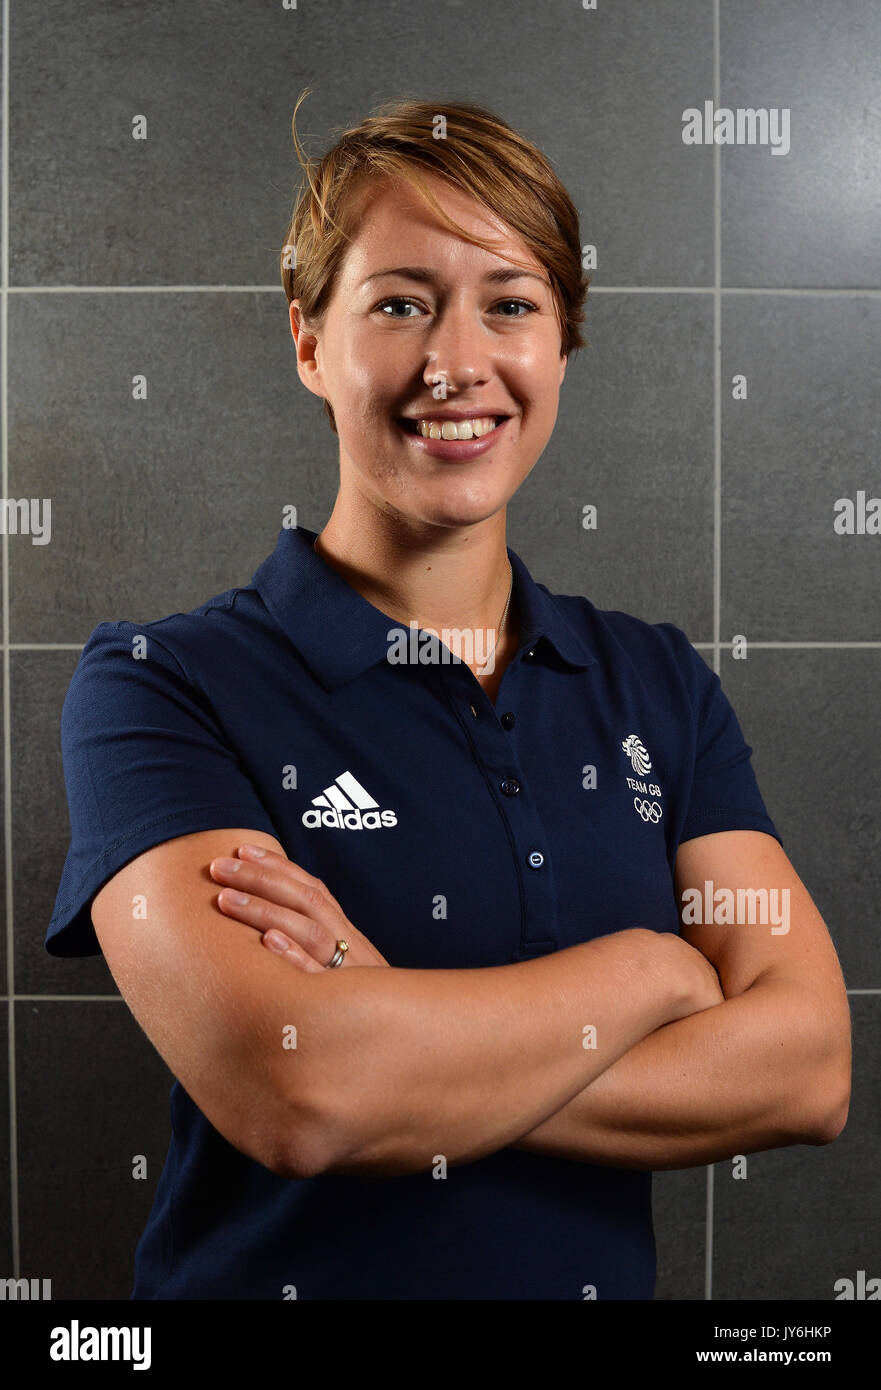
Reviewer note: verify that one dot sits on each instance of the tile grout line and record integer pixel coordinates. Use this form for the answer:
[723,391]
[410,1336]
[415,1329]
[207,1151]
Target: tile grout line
[801,292]
[7,732]
[717,515]
[67,998]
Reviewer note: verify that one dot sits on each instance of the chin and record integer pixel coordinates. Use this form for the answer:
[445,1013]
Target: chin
[457,511]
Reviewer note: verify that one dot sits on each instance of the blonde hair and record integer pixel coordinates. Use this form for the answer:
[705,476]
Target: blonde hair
[480,154]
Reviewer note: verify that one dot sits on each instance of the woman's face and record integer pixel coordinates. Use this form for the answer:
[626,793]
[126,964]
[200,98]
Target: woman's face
[417,328]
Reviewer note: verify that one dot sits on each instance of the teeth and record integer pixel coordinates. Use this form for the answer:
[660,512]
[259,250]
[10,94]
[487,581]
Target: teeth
[456,429]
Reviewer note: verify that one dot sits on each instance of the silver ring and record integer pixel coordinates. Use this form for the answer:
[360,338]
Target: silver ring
[337,957]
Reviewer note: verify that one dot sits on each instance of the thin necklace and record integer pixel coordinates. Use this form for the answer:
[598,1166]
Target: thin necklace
[482,670]
[479,673]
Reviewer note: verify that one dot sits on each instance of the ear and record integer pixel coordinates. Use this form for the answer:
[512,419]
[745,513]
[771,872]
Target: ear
[564,363]
[308,365]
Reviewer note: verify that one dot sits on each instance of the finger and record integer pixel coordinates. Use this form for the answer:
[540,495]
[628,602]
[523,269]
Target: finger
[282,945]
[314,938]
[256,854]
[252,912]
[278,884]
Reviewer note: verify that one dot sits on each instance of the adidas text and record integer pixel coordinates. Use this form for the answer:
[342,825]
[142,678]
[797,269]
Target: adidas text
[348,820]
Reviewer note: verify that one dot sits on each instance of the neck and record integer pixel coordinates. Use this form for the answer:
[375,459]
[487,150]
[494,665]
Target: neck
[438,576]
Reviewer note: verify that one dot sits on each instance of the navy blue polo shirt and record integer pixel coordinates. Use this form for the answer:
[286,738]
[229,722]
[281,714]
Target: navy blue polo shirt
[455,832]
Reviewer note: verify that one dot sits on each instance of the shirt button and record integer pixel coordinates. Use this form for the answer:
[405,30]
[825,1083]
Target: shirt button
[535,859]
[510,786]
[474,712]
[508,720]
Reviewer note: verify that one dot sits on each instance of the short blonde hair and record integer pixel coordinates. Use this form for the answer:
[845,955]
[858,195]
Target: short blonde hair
[480,154]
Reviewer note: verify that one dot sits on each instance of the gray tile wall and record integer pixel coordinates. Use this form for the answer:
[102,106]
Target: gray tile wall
[159,257]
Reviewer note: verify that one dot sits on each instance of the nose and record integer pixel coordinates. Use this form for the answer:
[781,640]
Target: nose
[459,351]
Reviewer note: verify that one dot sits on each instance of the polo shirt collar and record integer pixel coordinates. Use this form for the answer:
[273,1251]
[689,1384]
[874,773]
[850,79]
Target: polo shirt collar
[340,635]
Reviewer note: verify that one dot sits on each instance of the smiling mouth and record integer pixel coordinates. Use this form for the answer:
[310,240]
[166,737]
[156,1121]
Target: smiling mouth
[475,428]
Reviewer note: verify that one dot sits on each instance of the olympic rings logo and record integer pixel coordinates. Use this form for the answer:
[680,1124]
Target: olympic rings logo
[649,810]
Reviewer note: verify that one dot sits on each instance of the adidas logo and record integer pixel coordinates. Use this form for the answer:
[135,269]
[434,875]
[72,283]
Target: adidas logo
[345,805]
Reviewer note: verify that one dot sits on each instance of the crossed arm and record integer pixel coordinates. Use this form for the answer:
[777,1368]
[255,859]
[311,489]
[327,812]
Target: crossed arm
[769,1066]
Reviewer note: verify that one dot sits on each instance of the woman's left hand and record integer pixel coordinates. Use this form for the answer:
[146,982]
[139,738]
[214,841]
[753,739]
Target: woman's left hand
[294,912]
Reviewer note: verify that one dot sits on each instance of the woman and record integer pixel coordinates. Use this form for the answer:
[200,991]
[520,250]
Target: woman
[486,1024]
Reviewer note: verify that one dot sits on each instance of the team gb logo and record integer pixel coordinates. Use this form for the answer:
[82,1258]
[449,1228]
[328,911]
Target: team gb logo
[636,751]
[648,810]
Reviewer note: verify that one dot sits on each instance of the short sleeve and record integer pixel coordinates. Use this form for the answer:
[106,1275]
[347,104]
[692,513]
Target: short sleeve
[724,793]
[145,760]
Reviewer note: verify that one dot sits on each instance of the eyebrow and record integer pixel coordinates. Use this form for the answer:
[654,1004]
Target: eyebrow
[421,273]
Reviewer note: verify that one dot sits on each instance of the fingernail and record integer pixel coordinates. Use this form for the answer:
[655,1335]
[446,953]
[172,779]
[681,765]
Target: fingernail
[276,942]
[257,852]
[234,897]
